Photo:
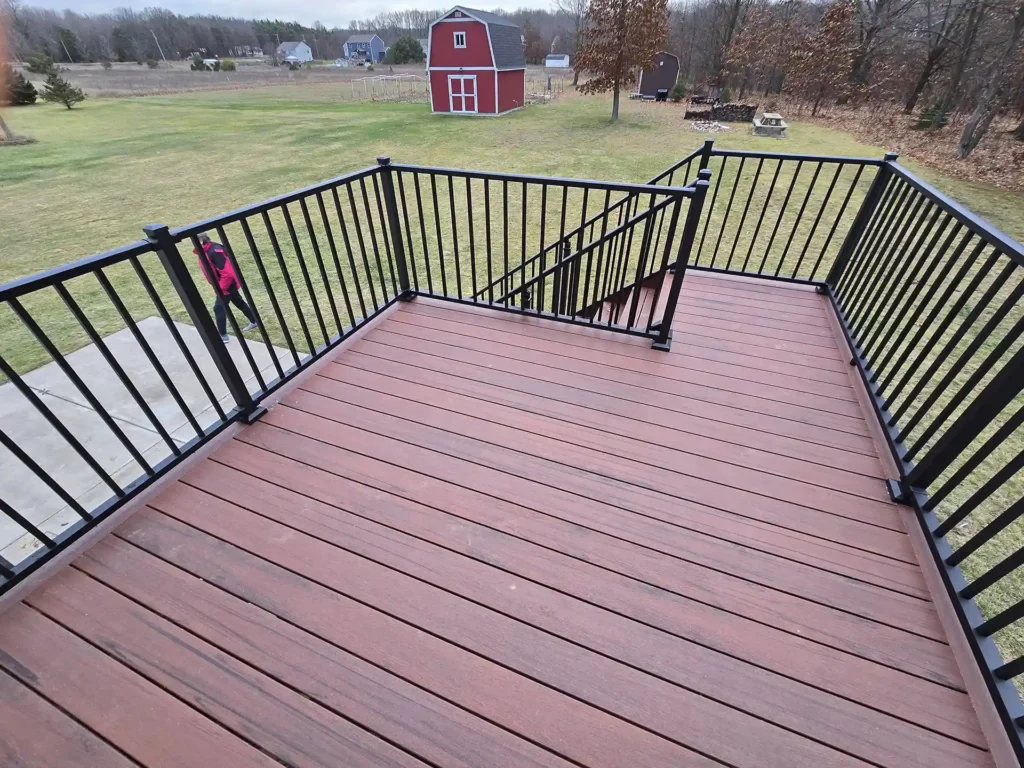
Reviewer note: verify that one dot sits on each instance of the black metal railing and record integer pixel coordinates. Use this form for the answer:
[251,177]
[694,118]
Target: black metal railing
[928,295]
[147,343]
[545,246]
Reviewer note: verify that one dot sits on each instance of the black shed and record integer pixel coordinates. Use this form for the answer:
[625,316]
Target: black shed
[661,76]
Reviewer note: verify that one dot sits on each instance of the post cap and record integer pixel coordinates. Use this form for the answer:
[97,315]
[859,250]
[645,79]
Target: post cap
[153,230]
[383,160]
[708,141]
[891,157]
[704,173]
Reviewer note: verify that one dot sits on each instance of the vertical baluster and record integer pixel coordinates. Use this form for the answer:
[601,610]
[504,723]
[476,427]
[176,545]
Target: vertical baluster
[836,220]
[798,219]
[270,290]
[423,233]
[337,261]
[746,210]
[541,249]
[320,264]
[411,254]
[817,219]
[457,257]
[711,209]
[288,282]
[437,229]
[343,228]
[33,467]
[487,219]
[506,284]
[176,335]
[371,228]
[778,221]
[367,272]
[728,210]
[760,218]
[472,239]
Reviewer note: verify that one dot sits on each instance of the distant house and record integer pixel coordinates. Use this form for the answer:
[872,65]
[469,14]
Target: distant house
[476,63]
[296,51]
[557,60]
[369,47]
[661,76]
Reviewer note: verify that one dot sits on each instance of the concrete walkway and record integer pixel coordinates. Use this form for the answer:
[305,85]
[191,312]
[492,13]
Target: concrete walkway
[31,497]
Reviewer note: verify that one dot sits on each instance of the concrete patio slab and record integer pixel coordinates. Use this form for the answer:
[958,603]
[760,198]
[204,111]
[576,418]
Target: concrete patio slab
[31,497]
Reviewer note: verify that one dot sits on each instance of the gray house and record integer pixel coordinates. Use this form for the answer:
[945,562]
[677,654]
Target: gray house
[298,51]
[369,47]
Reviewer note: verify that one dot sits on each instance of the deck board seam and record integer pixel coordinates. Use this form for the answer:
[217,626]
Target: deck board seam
[569,421]
[576,643]
[381,609]
[708,419]
[898,526]
[159,686]
[676,525]
[751,409]
[312,633]
[714,607]
[71,716]
[666,359]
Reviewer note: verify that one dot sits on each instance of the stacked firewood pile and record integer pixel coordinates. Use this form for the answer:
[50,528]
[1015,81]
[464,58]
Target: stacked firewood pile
[726,113]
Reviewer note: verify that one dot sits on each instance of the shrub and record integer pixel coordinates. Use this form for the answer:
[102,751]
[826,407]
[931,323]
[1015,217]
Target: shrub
[216,66]
[19,91]
[678,92]
[60,91]
[228,65]
[106,64]
[294,66]
[725,96]
[152,63]
[406,50]
[40,64]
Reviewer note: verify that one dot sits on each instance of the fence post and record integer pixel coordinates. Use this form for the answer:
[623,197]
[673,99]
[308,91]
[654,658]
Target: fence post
[693,214]
[860,223]
[395,227]
[705,154]
[181,279]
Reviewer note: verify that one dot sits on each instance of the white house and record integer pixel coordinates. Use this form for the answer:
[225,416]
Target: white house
[298,51]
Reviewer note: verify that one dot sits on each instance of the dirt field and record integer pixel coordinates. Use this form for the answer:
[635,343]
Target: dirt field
[131,79]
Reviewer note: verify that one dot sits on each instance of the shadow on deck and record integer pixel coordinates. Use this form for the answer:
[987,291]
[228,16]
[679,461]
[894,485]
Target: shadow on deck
[480,539]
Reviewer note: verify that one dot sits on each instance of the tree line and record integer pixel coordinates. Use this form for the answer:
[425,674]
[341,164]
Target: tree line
[935,58]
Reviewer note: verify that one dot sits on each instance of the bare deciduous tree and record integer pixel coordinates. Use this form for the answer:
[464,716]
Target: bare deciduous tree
[623,37]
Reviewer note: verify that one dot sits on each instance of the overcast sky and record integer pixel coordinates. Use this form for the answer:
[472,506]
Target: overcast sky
[330,12]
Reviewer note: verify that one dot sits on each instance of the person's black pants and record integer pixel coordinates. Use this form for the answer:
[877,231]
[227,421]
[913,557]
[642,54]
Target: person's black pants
[220,309]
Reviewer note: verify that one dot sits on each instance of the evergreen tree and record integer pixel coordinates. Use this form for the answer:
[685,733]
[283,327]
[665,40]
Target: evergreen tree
[70,45]
[15,90]
[406,50]
[60,91]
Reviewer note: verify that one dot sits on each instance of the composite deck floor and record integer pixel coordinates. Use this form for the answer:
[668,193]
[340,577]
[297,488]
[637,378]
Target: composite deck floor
[474,539]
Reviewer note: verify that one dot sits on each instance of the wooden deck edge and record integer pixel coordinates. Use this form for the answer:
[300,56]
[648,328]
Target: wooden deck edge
[46,572]
[991,724]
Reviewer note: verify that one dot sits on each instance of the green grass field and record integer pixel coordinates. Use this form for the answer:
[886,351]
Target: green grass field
[101,171]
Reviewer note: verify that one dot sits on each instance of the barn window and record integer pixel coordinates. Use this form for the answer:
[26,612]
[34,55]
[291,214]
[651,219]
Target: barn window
[460,39]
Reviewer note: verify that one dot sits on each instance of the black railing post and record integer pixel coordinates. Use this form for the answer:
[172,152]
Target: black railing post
[395,227]
[693,214]
[181,279]
[705,154]
[867,208]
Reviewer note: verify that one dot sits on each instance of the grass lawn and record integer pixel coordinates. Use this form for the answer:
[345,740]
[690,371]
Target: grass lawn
[101,171]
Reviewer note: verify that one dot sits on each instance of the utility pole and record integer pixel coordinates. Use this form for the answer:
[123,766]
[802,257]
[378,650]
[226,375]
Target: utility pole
[65,47]
[158,46]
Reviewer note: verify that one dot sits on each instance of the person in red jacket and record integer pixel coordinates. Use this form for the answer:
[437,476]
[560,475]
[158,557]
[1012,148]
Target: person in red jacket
[221,275]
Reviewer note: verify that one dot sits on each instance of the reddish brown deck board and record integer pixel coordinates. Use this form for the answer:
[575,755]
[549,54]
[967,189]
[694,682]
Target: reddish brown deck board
[478,539]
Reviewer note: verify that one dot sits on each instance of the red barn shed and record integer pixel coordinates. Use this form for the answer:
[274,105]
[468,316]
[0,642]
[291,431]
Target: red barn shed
[475,63]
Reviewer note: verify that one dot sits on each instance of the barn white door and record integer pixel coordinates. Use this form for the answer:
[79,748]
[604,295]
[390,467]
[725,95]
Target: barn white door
[462,93]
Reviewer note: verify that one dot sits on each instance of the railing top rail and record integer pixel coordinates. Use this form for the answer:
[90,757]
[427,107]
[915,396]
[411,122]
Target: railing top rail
[873,161]
[677,165]
[289,197]
[25,285]
[558,181]
[1006,244]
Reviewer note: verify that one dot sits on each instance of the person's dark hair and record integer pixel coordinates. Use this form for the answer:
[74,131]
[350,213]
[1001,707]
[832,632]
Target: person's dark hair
[202,237]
